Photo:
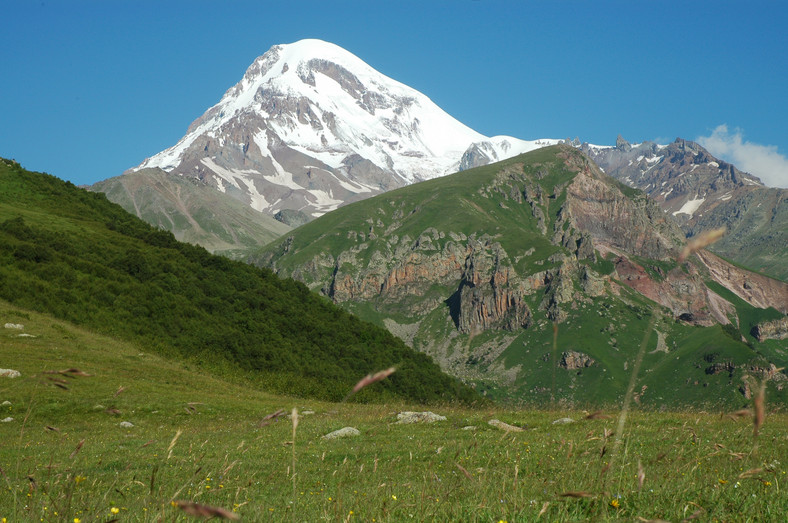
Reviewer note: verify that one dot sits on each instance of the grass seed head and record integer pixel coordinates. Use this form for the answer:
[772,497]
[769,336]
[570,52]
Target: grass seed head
[700,241]
[641,475]
[577,494]
[369,379]
[79,446]
[172,443]
[205,511]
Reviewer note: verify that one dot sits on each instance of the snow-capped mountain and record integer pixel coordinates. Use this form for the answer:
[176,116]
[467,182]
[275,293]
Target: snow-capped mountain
[310,127]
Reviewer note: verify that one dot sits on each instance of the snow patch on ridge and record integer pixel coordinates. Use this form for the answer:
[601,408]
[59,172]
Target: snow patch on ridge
[690,206]
[281,177]
[237,178]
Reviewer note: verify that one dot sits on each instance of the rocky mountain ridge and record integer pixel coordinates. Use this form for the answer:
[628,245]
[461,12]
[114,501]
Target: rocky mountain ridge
[471,266]
[702,192]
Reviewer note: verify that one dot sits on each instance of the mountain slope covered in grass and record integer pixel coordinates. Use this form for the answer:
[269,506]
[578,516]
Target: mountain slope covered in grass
[477,268]
[73,254]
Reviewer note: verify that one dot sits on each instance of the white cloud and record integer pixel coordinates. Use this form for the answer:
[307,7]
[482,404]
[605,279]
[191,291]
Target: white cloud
[761,160]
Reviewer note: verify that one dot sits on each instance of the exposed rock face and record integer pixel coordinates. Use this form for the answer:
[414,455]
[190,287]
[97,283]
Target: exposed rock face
[759,291]
[771,330]
[475,156]
[623,145]
[291,217]
[591,283]
[635,225]
[756,220]
[701,193]
[719,368]
[490,301]
[573,360]
[684,293]
[486,292]
[405,267]
[672,174]
[560,290]
[489,295]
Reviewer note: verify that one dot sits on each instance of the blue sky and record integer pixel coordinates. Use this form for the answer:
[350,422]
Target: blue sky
[91,88]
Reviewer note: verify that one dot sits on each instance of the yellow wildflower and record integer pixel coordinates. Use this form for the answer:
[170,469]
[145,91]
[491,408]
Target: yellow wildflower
[614,503]
[114,510]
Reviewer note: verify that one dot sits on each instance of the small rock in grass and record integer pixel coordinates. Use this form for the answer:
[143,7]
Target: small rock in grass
[126,424]
[18,326]
[469,427]
[6,403]
[419,417]
[504,426]
[6,420]
[99,407]
[563,421]
[345,432]
[9,373]
[301,413]
[25,335]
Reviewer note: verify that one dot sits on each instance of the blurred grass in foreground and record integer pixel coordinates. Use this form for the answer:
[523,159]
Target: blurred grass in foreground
[65,457]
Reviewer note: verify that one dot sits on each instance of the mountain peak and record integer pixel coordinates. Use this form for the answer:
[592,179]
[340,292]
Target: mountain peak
[310,127]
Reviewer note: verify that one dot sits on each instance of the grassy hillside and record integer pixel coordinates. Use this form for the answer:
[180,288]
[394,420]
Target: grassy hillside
[73,254]
[449,203]
[524,231]
[198,439]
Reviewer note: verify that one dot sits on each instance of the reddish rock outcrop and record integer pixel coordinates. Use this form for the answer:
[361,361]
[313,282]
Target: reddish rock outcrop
[636,225]
[684,293]
[757,290]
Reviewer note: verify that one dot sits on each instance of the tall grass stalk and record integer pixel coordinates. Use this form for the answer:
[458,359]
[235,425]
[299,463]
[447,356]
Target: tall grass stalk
[554,363]
[295,426]
[622,417]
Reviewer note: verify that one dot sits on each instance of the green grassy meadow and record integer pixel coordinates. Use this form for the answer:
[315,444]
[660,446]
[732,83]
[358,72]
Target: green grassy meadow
[197,438]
